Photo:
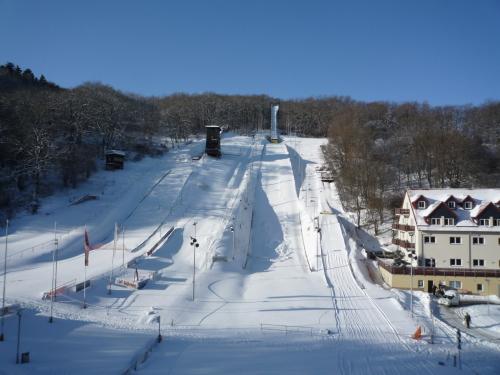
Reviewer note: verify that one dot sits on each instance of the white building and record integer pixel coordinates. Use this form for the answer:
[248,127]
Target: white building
[452,232]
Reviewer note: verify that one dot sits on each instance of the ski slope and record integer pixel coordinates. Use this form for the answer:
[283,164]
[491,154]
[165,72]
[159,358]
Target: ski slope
[270,294]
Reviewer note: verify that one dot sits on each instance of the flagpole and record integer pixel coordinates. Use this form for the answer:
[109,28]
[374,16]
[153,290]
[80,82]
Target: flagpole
[4,279]
[123,246]
[85,269]
[53,286]
[85,288]
[113,258]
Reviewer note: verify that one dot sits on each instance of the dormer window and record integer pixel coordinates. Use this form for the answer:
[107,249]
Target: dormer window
[452,204]
[468,205]
[421,205]
[435,221]
[484,222]
[449,221]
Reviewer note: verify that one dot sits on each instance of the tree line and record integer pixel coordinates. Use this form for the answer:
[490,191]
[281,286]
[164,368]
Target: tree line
[52,137]
[378,149]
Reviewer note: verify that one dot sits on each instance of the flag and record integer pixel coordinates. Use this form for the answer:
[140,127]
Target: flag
[86,247]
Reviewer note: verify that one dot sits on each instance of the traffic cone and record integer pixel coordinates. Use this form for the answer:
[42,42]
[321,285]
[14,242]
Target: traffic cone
[418,334]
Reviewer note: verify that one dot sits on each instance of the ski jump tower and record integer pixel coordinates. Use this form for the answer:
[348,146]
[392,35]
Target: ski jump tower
[274,124]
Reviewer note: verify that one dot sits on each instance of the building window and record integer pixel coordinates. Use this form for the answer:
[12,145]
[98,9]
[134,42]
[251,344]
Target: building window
[455,240]
[451,204]
[430,262]
[420,284]
[484,222]
[421,204]
[455,284]
[449,221]
[429,239]
[478,262]
[468,205]
[479,287]
[455,262]
[478,240]
[496,222]
[435,221]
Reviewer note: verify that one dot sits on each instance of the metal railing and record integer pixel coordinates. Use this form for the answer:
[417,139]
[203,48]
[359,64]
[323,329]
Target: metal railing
[404,227]
[435,271]
[401,211]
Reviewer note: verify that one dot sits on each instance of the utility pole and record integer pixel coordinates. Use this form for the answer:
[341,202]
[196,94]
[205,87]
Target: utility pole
[2,337]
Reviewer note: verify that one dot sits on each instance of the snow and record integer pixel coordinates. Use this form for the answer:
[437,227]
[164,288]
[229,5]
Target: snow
[273,295]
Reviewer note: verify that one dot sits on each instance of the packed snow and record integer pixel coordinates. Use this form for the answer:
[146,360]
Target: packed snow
[265,291]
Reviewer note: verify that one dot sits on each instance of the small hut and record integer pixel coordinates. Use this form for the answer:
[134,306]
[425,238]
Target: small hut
[114,159]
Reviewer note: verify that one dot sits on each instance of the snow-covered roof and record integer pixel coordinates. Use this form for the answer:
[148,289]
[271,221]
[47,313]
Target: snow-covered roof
[115,152]
[464,218]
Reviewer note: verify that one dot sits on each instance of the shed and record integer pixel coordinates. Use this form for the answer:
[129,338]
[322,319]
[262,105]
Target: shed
[115,159]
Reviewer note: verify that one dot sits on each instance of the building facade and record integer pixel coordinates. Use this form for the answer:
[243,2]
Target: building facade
[451,233]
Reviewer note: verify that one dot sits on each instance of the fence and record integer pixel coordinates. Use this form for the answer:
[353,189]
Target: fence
[286,329]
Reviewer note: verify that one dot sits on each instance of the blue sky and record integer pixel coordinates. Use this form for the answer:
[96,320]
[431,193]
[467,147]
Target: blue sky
[442,52]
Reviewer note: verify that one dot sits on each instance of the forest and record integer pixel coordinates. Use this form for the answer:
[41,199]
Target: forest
[53,137]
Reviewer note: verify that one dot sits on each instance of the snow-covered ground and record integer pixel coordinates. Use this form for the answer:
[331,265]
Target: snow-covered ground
[271,294]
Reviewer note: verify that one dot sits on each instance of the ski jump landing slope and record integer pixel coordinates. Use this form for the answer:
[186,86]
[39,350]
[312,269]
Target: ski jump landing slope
[278,290]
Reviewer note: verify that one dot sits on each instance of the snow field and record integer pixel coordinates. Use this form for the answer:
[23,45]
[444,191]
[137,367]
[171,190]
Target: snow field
[257,309]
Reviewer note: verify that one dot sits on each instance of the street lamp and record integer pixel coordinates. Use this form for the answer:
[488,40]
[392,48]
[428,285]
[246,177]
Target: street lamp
[159,328]
[488,294]
[231,228]
[412,257]
[318,231]
[195,244]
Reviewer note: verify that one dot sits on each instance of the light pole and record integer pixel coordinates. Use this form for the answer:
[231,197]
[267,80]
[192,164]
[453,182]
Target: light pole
[232,230]
[195,244]
[19,314]
[2,337]
[318,230]
[159,328]
[411,274]
[488,294]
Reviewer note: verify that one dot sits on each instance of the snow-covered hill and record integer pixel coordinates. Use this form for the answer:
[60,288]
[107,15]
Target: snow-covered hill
[270,294]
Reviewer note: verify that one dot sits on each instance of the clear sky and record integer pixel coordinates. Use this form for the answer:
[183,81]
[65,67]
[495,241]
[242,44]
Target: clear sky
[443,52]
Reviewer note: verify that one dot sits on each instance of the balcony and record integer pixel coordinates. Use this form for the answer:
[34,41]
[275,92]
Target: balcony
[402,211]
[403,244]
[404,227]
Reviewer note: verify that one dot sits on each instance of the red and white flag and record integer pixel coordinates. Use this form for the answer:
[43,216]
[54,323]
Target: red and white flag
[86,247]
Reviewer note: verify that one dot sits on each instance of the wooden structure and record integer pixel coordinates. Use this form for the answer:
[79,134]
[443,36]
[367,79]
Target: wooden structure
[212,146]
[115,159]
